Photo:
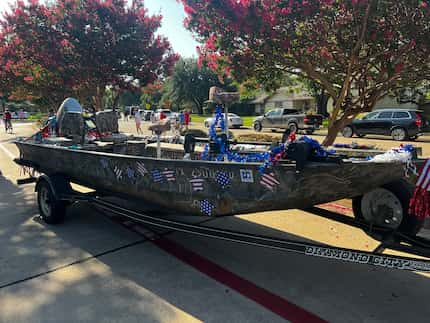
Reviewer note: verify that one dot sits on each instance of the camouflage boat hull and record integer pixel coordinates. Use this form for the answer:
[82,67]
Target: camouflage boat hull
[209,188]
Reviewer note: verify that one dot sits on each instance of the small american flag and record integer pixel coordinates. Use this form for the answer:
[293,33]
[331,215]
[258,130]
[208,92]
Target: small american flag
[206,207]
[141,169]
[118,172]
[157,176]
[424,178]
[223,179]
[197,184]
[269,181]
[169,175]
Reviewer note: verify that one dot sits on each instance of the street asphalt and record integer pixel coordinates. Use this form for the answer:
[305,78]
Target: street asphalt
[94,269]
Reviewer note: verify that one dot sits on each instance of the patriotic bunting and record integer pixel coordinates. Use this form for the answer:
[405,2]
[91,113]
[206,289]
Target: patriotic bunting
[197,184]
[118,173]
[157,176]
[140,167]
[169,175]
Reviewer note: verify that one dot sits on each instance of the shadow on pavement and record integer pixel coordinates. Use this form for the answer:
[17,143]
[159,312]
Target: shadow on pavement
[127,281]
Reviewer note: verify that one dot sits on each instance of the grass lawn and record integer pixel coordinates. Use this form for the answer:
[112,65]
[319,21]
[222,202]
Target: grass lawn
[200,118]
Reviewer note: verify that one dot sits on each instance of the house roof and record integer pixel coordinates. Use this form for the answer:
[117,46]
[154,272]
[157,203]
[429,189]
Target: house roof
[260,99]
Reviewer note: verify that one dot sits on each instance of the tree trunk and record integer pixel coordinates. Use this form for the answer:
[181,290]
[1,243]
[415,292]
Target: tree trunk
[334,129]
[98,99]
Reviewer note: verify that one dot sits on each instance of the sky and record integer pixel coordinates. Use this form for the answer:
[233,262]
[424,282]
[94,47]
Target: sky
[172,24]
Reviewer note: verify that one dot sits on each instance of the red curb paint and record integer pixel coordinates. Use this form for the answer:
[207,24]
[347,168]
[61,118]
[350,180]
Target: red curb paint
[265,298]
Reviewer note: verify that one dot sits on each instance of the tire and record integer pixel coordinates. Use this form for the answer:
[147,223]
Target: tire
[51,210]
[347,132]
[395,219]
[257,126]
[399,134]
[293,127]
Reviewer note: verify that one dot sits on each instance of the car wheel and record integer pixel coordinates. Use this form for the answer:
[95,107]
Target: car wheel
[257,126]
[293,127]
[387,207]
[347,132]
[399,134]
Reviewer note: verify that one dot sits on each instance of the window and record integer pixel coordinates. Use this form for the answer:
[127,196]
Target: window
[290,111]
[401,115]
[371,115]
[385,115]
[274,113]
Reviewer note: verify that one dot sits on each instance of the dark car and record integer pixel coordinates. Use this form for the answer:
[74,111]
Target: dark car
[400,124]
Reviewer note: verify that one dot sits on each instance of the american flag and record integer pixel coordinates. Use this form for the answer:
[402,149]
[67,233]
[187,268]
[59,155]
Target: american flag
[223,179]
[206,207]
[157,176]
[269,181]
[118,172]
[424,178]
[197,184]
[141,169]
[169,175]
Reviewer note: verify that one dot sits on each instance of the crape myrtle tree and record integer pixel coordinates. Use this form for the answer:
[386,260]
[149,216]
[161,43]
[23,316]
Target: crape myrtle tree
[356,50]
[80,47]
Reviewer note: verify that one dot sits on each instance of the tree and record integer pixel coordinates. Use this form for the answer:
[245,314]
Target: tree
[191,83]
[356,50]
[81,47]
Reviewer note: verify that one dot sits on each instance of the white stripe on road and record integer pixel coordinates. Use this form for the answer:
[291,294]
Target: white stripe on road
[7,152]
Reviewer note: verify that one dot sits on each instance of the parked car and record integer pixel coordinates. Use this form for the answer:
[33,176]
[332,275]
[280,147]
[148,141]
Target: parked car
[147,115]
[234,121]
[285,118]
[400,124]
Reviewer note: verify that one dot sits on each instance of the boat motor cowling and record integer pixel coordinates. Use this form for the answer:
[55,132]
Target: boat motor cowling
[70,121]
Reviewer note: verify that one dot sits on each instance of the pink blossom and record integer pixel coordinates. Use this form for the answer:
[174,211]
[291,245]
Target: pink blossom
[28,78]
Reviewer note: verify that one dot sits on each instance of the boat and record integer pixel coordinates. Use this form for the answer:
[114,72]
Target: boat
[161,174]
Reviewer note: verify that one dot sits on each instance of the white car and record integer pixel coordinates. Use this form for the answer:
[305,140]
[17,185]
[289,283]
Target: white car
[234,121]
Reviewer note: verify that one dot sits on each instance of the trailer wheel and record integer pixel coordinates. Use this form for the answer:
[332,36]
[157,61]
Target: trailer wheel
[51,209]
[387,207]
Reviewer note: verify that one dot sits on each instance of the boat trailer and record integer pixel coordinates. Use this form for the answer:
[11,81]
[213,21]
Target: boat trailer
[58,192]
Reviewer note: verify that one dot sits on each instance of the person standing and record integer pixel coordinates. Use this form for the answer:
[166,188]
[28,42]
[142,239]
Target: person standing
[187,119]
[138,120]
[7,118]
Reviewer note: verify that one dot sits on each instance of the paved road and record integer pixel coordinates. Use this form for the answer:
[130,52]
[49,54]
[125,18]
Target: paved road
[91,269]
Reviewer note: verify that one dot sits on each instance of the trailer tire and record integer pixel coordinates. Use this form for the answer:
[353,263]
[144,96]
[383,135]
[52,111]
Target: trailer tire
[400,193]
[51,209]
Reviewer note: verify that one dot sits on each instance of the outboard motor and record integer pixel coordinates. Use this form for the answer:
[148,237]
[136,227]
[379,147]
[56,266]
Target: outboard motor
[70,121]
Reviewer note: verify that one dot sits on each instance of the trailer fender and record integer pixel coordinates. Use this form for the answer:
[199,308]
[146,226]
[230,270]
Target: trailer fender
[58,184]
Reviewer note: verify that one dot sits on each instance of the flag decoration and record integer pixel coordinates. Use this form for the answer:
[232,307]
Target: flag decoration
[118,172]
[169,175]
[223,179]
[206,207]
[419,205]
[197,184]
[104,162]
[269,181]
[130,173]
[157,176]
[141,169]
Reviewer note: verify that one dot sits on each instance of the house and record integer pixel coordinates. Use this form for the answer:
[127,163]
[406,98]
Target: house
[283,98]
